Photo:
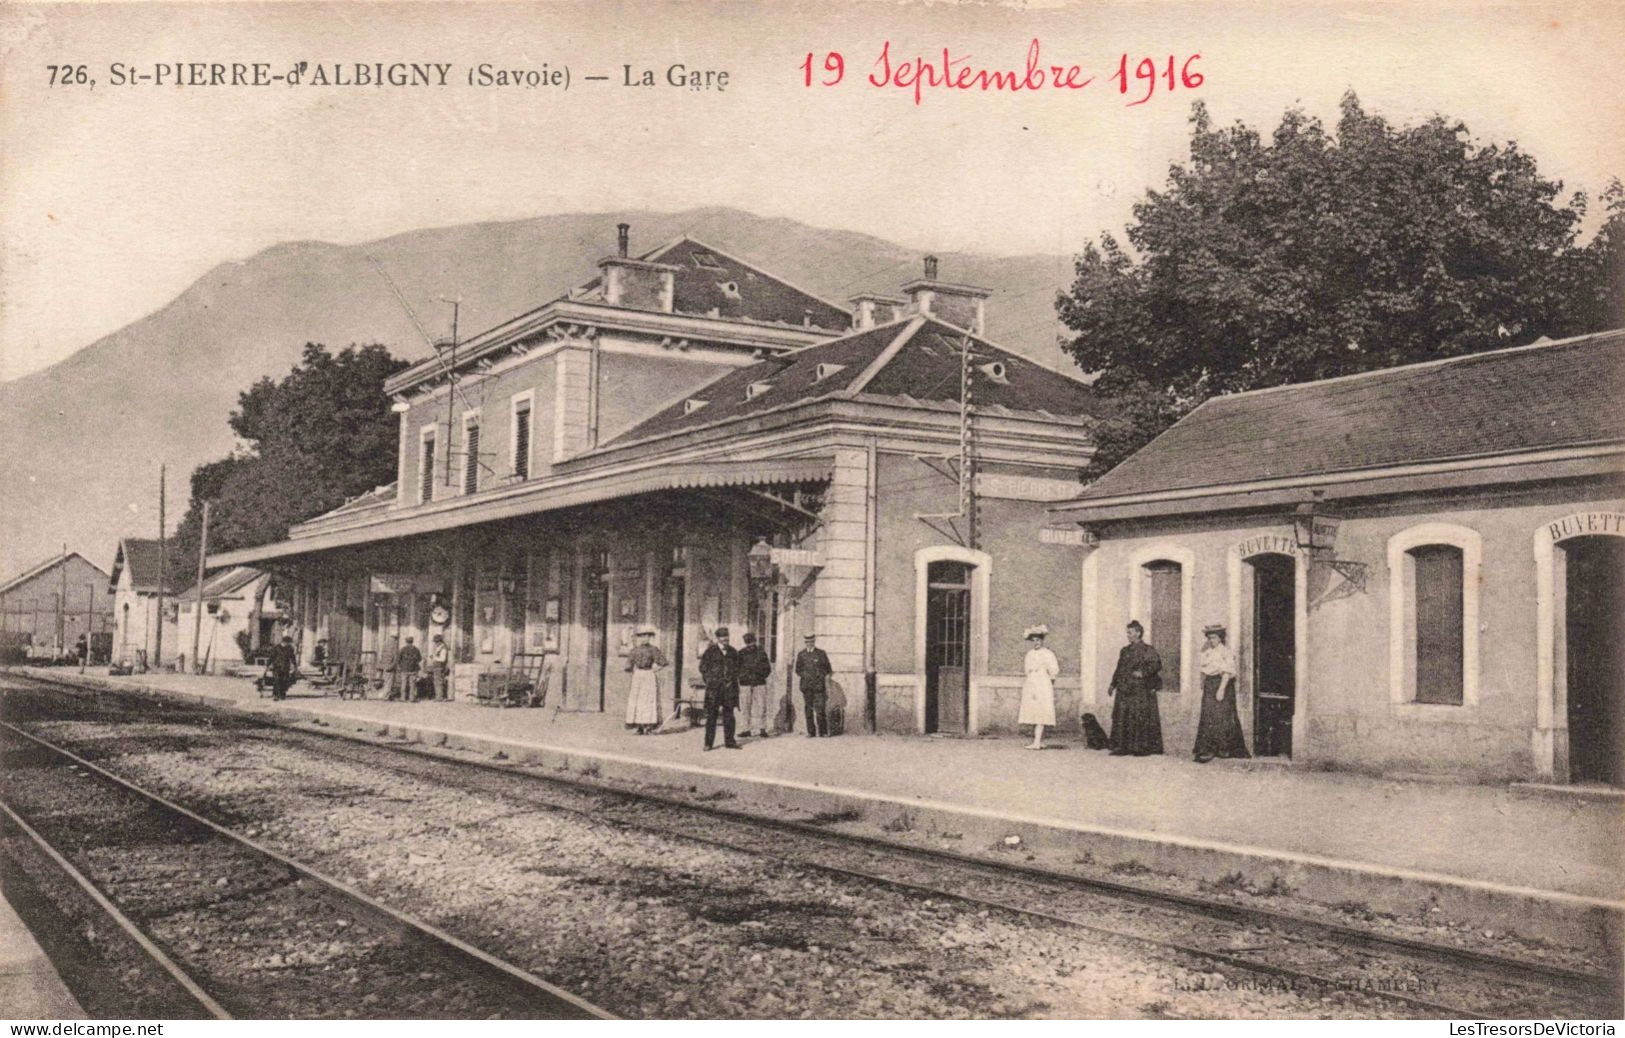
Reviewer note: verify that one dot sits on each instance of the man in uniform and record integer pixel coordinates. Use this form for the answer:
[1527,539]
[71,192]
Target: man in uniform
[813,670]
[719,669]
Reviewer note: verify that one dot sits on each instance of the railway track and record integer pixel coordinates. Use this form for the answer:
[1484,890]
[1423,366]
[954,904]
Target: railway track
[243,930]
[1246,947]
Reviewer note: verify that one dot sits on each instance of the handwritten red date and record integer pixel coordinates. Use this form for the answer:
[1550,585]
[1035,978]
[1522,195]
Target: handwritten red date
[1147,72]
[919,75]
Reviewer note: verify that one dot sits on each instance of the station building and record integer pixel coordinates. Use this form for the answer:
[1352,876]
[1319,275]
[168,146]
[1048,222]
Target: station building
[1422,568]
[689,441]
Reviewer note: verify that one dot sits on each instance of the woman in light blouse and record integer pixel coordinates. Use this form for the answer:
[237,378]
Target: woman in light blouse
[1218,733]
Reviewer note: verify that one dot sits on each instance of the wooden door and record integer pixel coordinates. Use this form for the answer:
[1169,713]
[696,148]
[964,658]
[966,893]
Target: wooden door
[947,647]
[1274,654]
[1595,640]
[598,634]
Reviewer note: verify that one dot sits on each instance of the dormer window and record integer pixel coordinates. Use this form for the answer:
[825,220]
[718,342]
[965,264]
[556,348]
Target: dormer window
[826,370]
[756,389]
[691,405]
[706,260]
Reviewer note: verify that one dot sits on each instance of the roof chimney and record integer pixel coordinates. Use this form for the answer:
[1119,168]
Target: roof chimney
[872,308]
[636,284]
[959,305]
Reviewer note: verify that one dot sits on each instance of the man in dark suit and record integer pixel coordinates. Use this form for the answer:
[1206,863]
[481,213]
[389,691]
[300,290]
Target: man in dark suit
[813,670]
[719,669]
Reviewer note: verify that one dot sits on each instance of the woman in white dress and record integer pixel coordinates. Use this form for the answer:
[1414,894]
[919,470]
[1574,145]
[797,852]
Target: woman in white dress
[643,701]
[1038,688]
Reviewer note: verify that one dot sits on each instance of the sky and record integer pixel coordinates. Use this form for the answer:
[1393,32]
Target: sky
[113,199]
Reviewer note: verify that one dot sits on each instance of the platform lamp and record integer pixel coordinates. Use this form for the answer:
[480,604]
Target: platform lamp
[1314,529]
[760,560]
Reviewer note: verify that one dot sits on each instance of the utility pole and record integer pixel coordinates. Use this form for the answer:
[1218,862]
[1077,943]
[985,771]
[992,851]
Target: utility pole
[967,451]
[62,605]
[197,614]
[163,575]
[451,382]
[90,614]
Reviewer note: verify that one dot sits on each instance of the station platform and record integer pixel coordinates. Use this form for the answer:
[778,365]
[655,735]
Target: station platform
[1542,863]
[30,987]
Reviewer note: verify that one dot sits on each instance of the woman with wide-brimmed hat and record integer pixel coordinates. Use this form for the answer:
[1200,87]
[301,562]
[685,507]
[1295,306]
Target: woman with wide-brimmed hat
[1218,733]
[1038,687]
[645,661]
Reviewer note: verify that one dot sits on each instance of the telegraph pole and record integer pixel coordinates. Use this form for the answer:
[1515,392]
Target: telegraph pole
[62,605]
[967,452]
[451,382]
[163,575]
[197,609]
[90,613]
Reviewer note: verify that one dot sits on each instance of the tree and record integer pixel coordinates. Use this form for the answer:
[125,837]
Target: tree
[320,436]
[1312,255]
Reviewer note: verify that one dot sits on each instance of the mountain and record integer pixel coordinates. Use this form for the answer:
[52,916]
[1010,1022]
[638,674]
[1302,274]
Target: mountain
[84,438]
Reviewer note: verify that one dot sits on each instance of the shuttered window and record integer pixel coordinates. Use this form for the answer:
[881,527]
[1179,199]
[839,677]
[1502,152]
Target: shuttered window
[521,439]
[471,460]
[426,470]
[1438,570]
[1167,618]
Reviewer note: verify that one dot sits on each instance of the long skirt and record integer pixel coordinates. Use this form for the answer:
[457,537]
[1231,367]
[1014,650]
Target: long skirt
[1218,733]
[1037,701]
[643,702]
[1136,725]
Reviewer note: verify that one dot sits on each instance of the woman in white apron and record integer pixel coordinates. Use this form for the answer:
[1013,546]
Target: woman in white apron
[1038,687]
[643,701]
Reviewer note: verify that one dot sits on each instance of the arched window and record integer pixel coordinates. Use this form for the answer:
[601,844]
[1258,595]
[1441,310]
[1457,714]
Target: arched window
[1433,577]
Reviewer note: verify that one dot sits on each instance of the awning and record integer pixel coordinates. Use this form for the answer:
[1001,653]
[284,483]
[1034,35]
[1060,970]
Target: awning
[547,496]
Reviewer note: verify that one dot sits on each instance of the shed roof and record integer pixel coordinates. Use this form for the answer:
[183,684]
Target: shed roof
[142,556]
[231,583]
[45,567]
[1540,397]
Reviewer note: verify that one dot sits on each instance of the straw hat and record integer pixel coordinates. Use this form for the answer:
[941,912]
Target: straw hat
[1042,630]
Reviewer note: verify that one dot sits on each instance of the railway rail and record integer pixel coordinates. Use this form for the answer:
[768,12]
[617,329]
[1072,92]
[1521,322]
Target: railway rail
[303,936]
[1245,946]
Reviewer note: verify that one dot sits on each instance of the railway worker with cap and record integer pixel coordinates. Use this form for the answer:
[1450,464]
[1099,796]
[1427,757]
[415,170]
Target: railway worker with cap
[1218,733]
[644,663]
[719,669]
[754,670]
[813,670]
[1038,687]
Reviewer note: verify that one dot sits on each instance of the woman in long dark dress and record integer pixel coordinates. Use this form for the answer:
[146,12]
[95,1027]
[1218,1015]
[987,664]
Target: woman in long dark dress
[1218,733]
[1136,725]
